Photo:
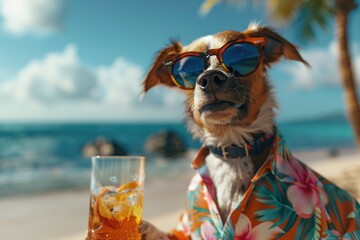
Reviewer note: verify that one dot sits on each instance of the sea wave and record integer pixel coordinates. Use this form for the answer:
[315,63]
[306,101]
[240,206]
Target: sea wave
[46,157]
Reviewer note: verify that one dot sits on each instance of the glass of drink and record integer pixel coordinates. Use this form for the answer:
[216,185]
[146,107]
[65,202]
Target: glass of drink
[116,197]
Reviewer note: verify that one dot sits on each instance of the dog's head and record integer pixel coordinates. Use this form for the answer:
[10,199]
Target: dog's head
[225,81]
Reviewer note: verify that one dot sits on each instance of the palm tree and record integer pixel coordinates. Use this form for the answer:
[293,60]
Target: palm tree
[309,14]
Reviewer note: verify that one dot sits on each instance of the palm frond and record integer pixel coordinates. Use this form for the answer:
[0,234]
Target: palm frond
[207,5]
[311,15]
[283,11]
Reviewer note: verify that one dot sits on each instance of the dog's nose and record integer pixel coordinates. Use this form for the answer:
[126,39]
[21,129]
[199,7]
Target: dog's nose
[214,78]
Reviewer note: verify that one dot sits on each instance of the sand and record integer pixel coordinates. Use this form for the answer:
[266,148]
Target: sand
[63,215]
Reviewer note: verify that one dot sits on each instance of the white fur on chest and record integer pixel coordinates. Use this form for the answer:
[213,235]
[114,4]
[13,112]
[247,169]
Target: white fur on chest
[231,178]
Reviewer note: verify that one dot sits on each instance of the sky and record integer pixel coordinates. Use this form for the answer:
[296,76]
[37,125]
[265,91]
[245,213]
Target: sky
[84,60]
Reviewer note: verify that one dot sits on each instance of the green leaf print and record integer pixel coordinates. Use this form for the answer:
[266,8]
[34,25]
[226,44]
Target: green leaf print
[310,228]
[334,193]
[357,214]
[280,210]
[229,231]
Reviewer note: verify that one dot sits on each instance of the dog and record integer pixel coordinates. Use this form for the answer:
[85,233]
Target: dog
[247,184]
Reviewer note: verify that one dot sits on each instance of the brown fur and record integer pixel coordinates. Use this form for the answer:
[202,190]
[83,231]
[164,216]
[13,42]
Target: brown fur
[158,74]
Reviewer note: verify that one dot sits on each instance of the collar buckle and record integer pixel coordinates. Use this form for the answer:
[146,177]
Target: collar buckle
[224,152]
[246,149]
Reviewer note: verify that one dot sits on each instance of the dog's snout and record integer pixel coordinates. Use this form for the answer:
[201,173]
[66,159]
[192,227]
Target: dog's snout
[215,78]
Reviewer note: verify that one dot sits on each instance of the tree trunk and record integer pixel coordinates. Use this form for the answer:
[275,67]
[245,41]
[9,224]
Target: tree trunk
[346,70]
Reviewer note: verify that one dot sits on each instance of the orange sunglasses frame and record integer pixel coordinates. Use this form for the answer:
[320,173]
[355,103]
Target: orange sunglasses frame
[257,41]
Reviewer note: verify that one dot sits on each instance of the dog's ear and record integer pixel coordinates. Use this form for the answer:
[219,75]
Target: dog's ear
[158,74]
[276,46]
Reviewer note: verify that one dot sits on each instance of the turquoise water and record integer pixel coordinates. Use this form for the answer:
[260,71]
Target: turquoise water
[45,157]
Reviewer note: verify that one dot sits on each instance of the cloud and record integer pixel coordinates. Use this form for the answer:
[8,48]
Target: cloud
[120,82]
[324,69]
[61,86]
[32,16]
[59,76]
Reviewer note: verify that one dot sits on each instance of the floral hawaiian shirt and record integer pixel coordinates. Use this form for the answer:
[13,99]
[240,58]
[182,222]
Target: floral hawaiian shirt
[286,200]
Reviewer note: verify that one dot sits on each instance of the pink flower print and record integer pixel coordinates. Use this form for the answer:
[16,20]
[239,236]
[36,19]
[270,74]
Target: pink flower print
[262,231]
[305,194]
[209,184]
[208,231]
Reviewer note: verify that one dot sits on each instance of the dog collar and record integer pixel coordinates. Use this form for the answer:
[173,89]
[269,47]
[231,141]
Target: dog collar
[259,144]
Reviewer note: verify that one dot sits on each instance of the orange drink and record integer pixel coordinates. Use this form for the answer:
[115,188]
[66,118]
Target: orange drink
[116,198]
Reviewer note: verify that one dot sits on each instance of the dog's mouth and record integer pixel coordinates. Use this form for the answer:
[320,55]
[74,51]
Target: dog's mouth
[222,105]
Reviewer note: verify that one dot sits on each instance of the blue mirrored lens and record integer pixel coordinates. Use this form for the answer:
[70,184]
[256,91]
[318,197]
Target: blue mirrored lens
[187,69]
[241,58]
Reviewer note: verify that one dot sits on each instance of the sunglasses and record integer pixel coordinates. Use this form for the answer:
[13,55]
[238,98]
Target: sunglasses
[241,57]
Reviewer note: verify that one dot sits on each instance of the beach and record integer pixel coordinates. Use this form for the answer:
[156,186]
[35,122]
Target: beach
[63,215]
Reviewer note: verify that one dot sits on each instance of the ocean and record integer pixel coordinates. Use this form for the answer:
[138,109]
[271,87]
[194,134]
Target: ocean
[40,157]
